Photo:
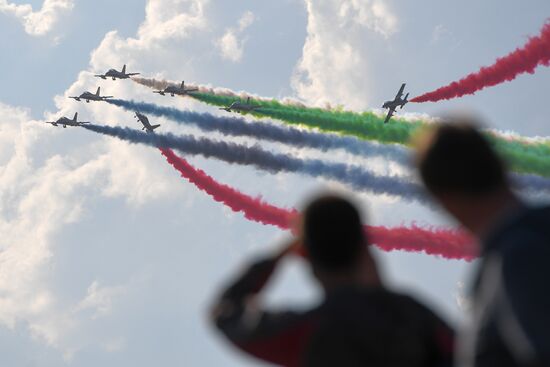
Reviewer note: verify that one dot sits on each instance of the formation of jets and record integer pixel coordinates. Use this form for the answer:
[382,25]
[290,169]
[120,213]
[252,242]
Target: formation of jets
[88,96]
[115,74]
[182,90]
[65,121]
[179,90]
[240,107]
[397,102]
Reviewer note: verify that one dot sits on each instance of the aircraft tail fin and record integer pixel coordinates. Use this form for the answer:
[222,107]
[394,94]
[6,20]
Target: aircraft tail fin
[97,92]
[247,100]
[124,69]
[154,127]
[405,101]
[183,84]
[75,116]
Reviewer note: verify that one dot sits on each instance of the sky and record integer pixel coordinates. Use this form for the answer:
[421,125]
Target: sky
[108,257]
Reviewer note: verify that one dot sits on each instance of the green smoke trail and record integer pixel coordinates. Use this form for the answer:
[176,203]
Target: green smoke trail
[521,156]
[365,125]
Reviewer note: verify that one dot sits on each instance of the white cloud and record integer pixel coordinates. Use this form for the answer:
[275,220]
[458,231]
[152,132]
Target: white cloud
[231,44]
[41,190]
[41,22]
[36,200]
[169,19]
[333,64]
[161,39]
[371,14]
[439,33]
[39,197]
[114,344]
[99,299]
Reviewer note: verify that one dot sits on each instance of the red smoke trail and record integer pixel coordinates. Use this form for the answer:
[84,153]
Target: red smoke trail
[253,208]
[523,60]
[451,244]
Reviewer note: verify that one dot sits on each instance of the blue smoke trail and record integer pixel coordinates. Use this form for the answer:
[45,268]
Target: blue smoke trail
[234,153]
[236,126]
[530,184]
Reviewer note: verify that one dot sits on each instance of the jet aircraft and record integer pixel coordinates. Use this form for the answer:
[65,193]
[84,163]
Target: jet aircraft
[115,74]
[180,90]
[397,102]
[65,121]
[240,107]
[88,96]
[145,121]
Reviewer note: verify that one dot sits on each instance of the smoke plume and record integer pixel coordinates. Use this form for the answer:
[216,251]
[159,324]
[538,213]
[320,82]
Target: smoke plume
[450,244]
[237,126]
[523,60]
[522,155]
[354,176]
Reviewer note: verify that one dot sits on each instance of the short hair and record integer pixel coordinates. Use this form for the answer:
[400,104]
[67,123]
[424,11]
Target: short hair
[333,233]
[457,158]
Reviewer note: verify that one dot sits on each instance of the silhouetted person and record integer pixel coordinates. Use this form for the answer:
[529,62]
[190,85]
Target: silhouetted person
[510,323]
[359,322]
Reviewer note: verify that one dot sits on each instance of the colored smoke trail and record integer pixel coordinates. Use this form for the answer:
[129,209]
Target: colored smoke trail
[161,84]
[154,83]
[522,156]
[450,244]
[254,209]
[523,60]
[234,153]
[237,126]
[531,184]
[366,125]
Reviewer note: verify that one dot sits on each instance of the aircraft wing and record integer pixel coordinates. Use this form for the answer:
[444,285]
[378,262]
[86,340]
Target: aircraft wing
[75,98]
[391,111]
[144,120]
[102,76]
[51,123]
[400,93]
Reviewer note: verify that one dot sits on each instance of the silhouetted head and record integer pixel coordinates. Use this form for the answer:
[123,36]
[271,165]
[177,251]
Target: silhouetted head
[334,239]
[460,168]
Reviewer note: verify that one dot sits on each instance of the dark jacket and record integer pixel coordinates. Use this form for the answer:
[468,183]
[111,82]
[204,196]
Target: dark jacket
[352,327]
[511,298]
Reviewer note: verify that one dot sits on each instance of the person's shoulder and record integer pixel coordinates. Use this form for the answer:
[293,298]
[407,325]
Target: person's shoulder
[529,234]
[537,217]
[403,297]
[523,252]
[412,305]
[395,298]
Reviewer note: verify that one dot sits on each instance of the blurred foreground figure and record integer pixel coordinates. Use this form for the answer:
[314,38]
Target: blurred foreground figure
[359,322]
[510,323]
